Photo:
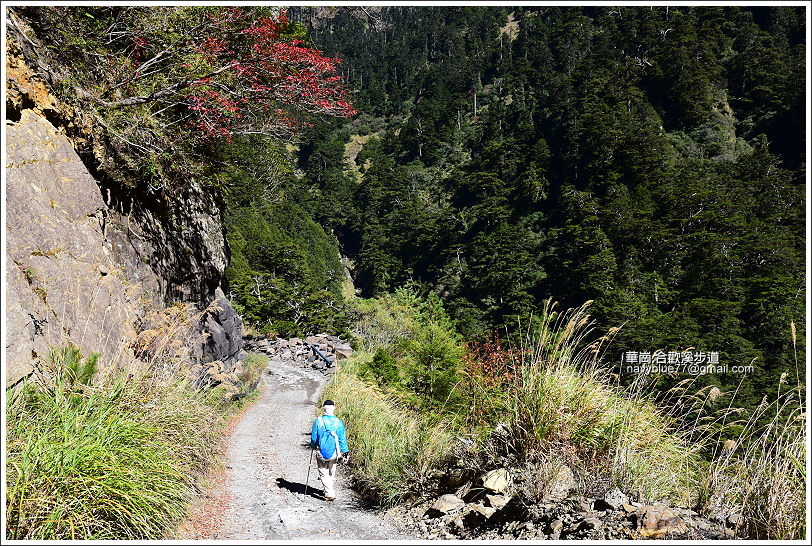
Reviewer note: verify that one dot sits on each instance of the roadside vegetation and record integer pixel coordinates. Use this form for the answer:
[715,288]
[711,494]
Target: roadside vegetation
[503,156]
[108,456]
[419,402]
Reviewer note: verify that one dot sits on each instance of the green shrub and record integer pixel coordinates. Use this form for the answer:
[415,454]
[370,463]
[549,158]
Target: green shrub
[417,349]
[115,460]
[285,328]
[385,367]
[436,354]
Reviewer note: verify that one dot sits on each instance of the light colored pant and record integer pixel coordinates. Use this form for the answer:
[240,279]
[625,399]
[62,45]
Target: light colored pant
[327,474]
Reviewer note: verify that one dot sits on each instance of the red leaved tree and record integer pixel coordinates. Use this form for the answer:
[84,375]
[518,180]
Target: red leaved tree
[226,72]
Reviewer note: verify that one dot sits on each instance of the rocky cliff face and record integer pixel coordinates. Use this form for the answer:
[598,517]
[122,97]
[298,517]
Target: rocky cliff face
[87,256]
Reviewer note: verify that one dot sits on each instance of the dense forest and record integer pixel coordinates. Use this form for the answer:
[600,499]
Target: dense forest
[649,159]
[495,207]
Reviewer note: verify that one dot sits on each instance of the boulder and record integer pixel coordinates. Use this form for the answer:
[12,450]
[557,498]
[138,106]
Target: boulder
[343,353]
[589,523]
[615,498]
[224,327]
[295,341]
[478,515]
[497,481]
[497,501]
[445,505]
[561,484]
[656,521]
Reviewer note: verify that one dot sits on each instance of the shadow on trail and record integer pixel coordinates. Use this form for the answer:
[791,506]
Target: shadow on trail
[295,487]
[354,502]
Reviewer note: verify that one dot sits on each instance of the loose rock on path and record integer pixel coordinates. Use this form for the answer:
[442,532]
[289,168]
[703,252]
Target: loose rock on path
[260,496]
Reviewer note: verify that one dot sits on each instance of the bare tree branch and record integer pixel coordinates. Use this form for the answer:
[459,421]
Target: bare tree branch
[165,92]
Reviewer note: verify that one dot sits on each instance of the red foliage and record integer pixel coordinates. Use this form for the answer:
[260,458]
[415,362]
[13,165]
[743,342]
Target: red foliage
[263,79]
[490,362]
[139,46]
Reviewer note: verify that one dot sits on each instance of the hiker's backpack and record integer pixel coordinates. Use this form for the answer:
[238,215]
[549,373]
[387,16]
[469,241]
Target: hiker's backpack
[329,447]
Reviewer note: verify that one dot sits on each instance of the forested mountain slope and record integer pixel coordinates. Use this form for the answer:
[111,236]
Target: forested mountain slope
[649,159]
[460,168]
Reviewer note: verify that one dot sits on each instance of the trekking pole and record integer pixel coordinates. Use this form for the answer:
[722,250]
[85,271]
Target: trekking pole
[309,466]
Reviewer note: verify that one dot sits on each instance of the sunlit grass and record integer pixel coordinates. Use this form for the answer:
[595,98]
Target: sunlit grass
[393,449]
[116,459]
[548,401]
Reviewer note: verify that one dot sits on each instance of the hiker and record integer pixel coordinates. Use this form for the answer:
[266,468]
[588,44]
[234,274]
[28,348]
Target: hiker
[329,436]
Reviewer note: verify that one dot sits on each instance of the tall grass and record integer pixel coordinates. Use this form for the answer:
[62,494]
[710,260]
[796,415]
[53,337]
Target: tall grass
[393,448]
[547,400]
[558,398]
[671,446]
[760,474]
[113,454]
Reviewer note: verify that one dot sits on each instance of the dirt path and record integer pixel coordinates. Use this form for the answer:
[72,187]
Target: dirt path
[260,496]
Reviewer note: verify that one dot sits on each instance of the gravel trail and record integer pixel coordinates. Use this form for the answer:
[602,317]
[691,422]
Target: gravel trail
[261,494]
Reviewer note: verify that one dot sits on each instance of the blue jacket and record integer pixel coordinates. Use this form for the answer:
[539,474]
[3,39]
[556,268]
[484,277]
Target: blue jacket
[322,436]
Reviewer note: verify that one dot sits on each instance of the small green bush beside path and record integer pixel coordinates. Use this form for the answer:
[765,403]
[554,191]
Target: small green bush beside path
[115,460]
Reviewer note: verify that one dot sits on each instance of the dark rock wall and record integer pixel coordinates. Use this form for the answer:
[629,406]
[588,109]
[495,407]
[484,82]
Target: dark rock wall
[223,328]
[88,255]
